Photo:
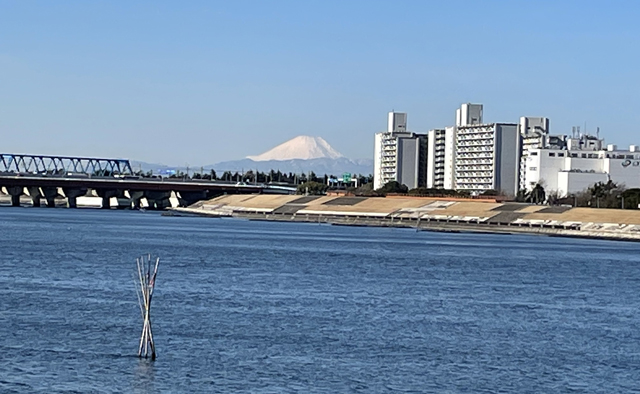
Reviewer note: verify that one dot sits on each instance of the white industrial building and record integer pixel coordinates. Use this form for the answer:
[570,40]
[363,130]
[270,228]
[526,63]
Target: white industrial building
[399,155]
[583,163]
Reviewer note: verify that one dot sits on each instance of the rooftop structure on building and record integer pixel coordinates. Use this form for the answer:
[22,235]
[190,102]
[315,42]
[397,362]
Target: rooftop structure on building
[469,114]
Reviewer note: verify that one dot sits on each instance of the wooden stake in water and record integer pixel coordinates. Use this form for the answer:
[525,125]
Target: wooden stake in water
[147,272]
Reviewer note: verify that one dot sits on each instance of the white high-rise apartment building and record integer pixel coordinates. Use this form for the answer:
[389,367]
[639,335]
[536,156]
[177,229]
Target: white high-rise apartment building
[487,156]
[399,155]
[441,152]
[436,149]
[440,158]
[386,149]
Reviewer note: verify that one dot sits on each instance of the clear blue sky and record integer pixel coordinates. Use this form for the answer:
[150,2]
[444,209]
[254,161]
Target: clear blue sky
[204,81]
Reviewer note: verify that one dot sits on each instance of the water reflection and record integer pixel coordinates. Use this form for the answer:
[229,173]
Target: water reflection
[144,376]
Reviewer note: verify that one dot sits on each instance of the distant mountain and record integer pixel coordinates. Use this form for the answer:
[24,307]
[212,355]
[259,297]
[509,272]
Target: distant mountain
[302,147]
[301,154]
[298,155]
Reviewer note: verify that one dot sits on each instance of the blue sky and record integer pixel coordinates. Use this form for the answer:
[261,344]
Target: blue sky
[205,81]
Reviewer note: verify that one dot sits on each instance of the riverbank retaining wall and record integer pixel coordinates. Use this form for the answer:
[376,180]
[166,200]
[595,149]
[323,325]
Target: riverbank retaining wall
[429,214]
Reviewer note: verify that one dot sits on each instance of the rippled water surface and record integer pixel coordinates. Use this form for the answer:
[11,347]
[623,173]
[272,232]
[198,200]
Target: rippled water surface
[260,307]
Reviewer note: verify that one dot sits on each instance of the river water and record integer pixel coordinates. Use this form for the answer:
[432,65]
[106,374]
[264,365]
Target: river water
[258,307]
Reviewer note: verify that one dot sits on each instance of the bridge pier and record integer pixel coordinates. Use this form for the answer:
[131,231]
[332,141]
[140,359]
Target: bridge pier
[72,196]
[50,194]
[158,199]
[106,197]
[35,194]
[15,192]
[134,198]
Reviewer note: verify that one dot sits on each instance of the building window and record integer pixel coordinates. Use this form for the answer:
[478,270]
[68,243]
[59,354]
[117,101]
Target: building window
[534,153]
[533,168]
[560,154]
[552,154]
[584,155]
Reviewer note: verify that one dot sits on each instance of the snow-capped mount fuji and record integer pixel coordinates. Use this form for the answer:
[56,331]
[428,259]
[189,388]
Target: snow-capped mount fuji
[300,155]
[301,147]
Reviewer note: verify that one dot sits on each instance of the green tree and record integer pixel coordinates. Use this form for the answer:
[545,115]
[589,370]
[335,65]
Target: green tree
[537,195]
[393,187]
[521,196]
[605,194]
[631,198]
[365,190]
[313,188]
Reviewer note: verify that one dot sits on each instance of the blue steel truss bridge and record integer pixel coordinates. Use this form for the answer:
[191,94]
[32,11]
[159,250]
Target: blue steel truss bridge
[62,165]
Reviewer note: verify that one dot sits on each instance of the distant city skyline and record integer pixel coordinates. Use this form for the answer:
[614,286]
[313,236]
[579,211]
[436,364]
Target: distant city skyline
[203,82]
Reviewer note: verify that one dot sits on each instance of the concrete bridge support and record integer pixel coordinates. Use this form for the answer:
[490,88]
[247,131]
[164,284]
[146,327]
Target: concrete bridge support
[106,197]
[187,198]
[134,198]
[50,194]
[35,194]
[158,199]
[72,195]
[15,192]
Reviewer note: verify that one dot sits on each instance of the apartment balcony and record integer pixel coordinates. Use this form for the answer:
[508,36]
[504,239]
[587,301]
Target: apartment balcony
[475,130]
[476,156]
[464,173]
[474,185]
[475,148]
[470,136]
[477,143]
[474,171]
[474,162]
[475,177]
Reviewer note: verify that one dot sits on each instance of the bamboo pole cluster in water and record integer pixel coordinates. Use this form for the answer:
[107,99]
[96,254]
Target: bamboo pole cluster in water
[147,271]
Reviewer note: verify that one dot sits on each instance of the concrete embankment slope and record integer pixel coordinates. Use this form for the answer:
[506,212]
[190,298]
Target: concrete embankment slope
[440,214]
